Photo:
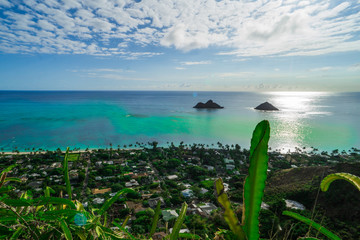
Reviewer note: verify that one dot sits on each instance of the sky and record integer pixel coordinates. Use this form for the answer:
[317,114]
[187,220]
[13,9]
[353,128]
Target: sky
[189,45]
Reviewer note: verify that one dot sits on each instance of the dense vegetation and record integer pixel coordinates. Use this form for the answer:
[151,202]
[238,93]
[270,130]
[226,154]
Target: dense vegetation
[38,192]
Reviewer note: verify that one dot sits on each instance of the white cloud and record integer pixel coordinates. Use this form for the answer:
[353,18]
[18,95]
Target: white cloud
[120,77]
[248,28]
[235,74]
[5,3]
[180,68]
[196,63]
[322,69]
[354,67]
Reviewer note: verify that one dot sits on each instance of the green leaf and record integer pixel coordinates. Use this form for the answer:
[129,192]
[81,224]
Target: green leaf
[6,189]
[22,202]
[66,173]
[124,230]
[155,219]
[229,215]
[56,214]
[179,221]
[8,169]
[81,235]
[48,191]
[65,229]
[110,201]
[17,233]
[188,236]
[6,212]
[53,200]
[313,224]
[325,183]
[255,181]
[12,179]
[126,220]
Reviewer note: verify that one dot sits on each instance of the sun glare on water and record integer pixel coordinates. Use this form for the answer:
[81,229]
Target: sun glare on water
[290,124]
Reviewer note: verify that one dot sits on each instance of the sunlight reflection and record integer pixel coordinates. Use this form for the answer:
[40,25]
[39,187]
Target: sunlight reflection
[290,126]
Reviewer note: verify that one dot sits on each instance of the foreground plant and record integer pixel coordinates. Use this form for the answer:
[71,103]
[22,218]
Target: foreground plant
[325,184]
[253,187]
[48,217]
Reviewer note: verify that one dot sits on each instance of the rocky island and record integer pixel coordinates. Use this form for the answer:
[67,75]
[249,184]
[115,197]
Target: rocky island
[209,104]
[266,106]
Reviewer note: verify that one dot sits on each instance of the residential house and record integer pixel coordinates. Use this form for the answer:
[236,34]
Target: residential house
[153,202]
[230,167]
[100,191]
[169,214]
[187,193]
[172,177]
[228,161]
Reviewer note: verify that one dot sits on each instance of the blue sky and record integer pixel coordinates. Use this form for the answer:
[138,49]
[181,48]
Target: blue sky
[180,45]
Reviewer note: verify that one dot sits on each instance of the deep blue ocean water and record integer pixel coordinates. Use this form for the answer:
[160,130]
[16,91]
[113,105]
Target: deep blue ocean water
[93,119]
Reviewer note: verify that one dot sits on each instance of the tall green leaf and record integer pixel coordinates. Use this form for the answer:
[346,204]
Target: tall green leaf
[126,220]
[48,191]
[12,179]
[6,189]
[255,181]
[124,230]
[110,201]
[53,200]
[17,233]
[179,221]
[22,202]
[4,173]
[8,169]
[229,216]
[66,230]
[325,183]
[313,224]
[189,236]
[66,173]
[56,214]
[155,219]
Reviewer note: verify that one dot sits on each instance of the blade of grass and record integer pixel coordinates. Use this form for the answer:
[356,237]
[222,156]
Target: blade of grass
[255,181]
[66,230]
[17,233]
[354,180]
[109,202]
[124,230]
[313,224]
[66,173]
[155,219]
[229,215]
[179,221]
[126,220]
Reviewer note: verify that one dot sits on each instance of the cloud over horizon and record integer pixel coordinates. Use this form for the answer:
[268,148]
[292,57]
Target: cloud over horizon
[130,28]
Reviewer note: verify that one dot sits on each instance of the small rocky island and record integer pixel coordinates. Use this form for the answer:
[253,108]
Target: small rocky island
[209,104]
[266,107]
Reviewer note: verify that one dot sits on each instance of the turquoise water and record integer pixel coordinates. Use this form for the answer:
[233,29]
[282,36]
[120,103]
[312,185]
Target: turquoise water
[81,119]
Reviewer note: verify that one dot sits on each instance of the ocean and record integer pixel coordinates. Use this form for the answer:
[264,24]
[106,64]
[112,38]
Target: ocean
[96,119]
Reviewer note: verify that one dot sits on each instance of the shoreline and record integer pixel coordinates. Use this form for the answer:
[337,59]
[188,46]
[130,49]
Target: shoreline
[307,151]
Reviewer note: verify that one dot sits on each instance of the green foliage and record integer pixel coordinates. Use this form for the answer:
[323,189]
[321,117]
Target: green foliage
[255,182]
[179,221]
[229,214]
[207,184]
[155,219]
[110,201]
[253,188]
[66,174]
[325,183]
[313,224]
